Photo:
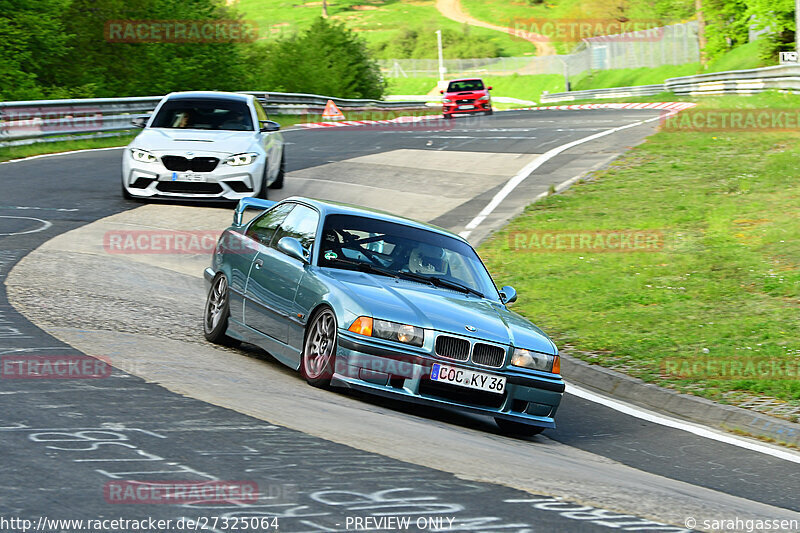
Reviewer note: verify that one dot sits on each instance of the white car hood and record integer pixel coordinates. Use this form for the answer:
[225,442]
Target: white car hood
[179,141]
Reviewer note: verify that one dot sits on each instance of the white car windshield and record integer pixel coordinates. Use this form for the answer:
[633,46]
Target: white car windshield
[204,114]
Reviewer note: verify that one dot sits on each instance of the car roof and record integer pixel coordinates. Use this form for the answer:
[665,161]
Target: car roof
[466,79]
[327,207]
[219,95]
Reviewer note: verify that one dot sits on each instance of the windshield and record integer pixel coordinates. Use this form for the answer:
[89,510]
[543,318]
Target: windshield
[465,85]
[199,114]
[352,242]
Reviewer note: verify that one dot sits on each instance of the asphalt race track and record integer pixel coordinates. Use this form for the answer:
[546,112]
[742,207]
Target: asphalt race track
[178,408]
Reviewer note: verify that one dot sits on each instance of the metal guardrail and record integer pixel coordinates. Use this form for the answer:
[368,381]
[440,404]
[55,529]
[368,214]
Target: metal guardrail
[781,77]
[25,122]
[615,92]
[751,81]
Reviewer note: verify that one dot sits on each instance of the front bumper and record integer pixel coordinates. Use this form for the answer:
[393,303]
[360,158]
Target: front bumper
[373,366]
[154,180]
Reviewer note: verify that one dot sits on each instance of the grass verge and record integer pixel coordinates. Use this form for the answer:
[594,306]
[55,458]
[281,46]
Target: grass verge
[723,290]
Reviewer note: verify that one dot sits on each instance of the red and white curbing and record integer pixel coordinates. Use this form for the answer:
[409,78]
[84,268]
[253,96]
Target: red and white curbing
[398,120]
[673,107]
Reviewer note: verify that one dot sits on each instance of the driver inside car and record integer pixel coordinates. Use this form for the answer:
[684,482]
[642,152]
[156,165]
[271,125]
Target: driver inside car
[428,259]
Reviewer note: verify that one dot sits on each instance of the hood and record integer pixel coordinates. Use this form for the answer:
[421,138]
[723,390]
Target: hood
[178,141]
[444,310]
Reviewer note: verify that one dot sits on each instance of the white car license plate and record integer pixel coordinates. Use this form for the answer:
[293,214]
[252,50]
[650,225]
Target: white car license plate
[468,378]
[184,176]
[466,107]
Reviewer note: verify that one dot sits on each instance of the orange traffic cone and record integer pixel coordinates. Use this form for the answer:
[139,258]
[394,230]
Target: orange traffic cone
[332,112]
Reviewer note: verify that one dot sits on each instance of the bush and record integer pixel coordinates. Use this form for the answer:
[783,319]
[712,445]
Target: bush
[327,59]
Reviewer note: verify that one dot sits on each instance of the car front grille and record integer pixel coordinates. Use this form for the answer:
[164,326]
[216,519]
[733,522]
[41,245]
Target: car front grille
[452,347]
[181,164]
[189,187]
[462,102]
[488,355]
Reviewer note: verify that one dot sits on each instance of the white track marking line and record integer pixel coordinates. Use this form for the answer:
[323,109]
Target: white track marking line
[45,224]
[528,169]
[674,423]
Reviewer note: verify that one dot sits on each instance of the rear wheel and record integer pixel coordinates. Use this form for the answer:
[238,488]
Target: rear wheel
[217,312]
[516,428]
[319,350]
[278,183]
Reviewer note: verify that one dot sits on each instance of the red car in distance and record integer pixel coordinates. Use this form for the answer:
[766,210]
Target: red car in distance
[466,96]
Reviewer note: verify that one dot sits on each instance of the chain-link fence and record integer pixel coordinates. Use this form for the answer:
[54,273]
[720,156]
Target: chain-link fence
[668,45]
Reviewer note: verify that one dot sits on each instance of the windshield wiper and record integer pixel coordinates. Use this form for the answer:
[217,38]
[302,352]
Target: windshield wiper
[450,284]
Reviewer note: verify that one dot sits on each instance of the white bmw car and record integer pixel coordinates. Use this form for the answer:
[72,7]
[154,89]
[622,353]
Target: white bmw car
[206,146]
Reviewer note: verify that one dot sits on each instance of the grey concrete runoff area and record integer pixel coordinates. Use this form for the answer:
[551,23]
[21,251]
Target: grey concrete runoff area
[178,408]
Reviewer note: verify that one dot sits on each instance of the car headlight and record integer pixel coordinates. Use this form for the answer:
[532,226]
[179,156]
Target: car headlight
[240,159]
[143,156]
[391,331]
[536,361]
[484,97]
[447,101]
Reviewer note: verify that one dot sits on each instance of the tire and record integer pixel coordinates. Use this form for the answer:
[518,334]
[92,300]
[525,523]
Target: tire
[319,349]
[490,111]
[216,313]
[125,193]
[278,183]
[262,192]
[516,428]
[448,116]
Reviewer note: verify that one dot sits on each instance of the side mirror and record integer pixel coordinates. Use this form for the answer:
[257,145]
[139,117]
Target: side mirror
[441,92]
[269,126]
[508,294]
[292,247]
[489,88]
[140,121]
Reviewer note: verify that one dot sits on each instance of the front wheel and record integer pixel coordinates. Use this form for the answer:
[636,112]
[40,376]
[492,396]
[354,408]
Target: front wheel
[319,350]
[278,183]
[516,428]
[217,312]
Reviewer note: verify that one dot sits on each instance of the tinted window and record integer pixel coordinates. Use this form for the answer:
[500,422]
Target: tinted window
[465,85]
[301,224]
[349,240]
[263,228]
[199,114]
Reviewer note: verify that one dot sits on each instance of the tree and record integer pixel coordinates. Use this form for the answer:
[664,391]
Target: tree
[32,41]
[327,59]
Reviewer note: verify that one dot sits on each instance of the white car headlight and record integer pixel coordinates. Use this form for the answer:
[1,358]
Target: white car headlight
[484,97]
[240,159]
[143,156]
[535,360]
[447,100]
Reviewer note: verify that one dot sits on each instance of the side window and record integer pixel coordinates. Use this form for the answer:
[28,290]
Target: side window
[260,112]
[301,224]
[263,228]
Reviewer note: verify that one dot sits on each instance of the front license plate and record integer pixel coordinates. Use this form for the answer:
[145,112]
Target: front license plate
[466,107]
[465,377]
[184,176]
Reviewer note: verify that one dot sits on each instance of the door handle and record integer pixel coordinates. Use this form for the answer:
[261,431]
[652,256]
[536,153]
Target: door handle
[259,263]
